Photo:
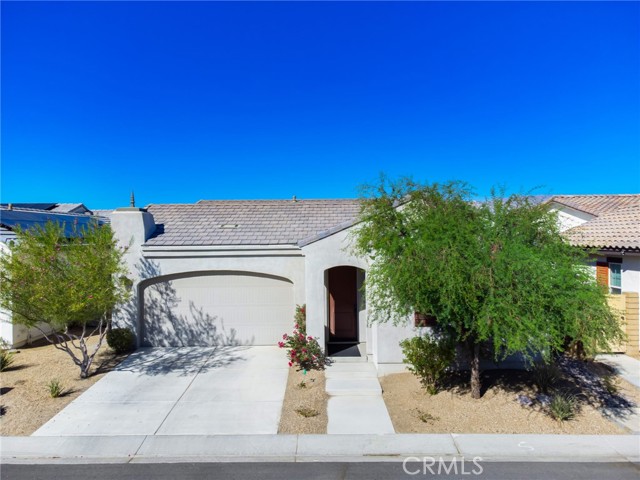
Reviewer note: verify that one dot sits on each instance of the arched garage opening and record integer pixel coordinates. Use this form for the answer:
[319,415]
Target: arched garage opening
[215,308]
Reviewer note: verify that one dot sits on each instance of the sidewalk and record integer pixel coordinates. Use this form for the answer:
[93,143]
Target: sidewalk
[627,367]
[313,448]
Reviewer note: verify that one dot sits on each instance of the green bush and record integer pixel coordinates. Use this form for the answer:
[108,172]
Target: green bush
[611,384]
[55,388]
[563,406]
[546,376]
[6,357]
[429,357]
[121,340]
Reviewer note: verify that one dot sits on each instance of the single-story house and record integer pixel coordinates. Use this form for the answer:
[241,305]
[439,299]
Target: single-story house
[27,215]
[218,272]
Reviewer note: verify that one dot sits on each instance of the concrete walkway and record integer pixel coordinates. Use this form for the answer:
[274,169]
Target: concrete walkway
[181,391]
[627,367]
[323,448]
[355,405]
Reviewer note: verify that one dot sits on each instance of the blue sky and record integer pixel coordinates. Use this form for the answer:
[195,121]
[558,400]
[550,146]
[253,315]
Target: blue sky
[184,101]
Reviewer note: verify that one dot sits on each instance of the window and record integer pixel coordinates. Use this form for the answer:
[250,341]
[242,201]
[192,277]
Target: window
[615,277]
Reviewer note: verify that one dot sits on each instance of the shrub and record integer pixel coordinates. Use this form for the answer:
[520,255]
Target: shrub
[307,412]
[563,406]
[6,357]
[121,340]
[428,358]
[546,375]
[55,388]
[301,318]
[611,384]
[303,351]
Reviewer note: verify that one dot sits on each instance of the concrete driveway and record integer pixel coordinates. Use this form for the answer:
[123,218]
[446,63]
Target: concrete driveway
[182,391]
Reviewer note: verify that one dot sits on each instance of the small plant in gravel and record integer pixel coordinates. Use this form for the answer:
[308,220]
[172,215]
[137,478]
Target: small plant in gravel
[563,406]
[6,356]
[611,384]
[428,357]
[426,417]
[546,376]
[307,412]
[303,350]
[302,384]
[55,388]
[121,340]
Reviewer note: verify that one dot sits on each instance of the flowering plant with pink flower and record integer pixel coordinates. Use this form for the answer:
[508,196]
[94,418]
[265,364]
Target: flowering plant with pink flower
[303,350]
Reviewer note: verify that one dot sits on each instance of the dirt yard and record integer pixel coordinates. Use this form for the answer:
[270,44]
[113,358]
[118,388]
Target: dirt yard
[305,404]
[25,402]
[412,410]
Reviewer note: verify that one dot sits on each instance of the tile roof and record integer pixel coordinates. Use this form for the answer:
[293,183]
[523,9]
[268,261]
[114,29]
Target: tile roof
[616,224]
[259,222]
[597,204]
[619,229]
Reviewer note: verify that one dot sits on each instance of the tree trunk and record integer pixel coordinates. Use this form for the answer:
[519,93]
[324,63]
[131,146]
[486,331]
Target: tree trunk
[475,371]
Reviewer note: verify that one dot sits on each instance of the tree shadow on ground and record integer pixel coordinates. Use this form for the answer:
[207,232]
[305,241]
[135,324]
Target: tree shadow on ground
[583,380]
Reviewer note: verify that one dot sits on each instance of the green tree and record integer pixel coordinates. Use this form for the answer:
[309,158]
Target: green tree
[69,284]
[495,272]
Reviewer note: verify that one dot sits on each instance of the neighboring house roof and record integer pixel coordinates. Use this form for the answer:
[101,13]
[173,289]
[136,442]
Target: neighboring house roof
[35,206]
[248,222]
[616,225]
[70,208]
[619,229]
[27,218]
[597,204]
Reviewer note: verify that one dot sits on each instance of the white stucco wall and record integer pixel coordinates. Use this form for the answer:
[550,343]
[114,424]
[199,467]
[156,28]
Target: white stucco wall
[332,251]
[17,335]
[569,217]
[630,269]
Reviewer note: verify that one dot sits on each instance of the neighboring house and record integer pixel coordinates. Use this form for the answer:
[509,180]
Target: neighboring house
[610,226]
[25,216]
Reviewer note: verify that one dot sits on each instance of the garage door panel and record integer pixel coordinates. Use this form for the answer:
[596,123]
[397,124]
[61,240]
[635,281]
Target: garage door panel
[218,309]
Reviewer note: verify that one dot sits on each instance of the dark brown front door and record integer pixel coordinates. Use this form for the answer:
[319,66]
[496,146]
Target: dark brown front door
[343,304]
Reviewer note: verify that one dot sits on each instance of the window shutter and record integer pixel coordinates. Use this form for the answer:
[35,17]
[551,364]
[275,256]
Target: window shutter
[602,273]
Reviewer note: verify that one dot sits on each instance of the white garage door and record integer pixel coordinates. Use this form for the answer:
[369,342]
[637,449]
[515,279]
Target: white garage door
[217,310]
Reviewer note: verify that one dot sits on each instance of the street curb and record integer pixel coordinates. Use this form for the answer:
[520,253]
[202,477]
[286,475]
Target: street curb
[318,448]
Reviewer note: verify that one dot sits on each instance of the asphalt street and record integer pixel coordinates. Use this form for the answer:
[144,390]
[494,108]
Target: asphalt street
[325,471]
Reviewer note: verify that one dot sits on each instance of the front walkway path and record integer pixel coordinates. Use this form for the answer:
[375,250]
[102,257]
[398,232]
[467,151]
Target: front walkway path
[181,391]
[355,405]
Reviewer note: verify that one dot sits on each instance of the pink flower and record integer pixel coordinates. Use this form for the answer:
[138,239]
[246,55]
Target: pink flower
[290,364]
[296,326]
[281,344]
[309,337]
[284,337]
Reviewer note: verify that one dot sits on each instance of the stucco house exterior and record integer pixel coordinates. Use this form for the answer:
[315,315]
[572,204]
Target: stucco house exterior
[609,225]
[218,272]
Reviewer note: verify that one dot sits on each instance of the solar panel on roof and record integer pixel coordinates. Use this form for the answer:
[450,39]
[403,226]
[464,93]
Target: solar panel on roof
[73,224]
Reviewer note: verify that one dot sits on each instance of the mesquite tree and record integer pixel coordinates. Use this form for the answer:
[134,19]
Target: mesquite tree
[64,286]
[495,272]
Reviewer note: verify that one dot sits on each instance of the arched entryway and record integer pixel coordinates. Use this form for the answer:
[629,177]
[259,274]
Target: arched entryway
[345,302]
